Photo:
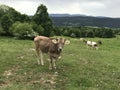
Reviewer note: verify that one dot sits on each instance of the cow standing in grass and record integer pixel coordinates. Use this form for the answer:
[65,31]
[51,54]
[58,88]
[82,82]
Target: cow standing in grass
[51,46]
[92,44]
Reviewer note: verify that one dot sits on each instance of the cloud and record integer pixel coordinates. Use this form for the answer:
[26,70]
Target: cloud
[23,6]
[92,7]
[26,7]
[89,7]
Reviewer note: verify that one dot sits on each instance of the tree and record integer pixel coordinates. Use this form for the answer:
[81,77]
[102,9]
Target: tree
[40,30]
[89,33]
[8,16]
[1,30]
[42,18]
[108,33]
[6,23]
[57,31]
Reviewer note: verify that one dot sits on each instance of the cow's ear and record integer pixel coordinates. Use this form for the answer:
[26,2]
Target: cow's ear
[67,42]
[54,41]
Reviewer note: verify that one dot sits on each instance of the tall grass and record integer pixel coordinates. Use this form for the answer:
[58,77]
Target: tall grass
[80,68]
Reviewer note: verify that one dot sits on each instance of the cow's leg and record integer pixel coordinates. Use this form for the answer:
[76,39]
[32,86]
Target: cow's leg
[38,52]
[50,63]
[38,56]
[54,63]
[88,46]
[41,58]
[92,47]
[96,48]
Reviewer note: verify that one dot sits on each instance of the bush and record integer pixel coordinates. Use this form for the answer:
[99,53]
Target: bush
[73,35]
[22,30]
[1,31]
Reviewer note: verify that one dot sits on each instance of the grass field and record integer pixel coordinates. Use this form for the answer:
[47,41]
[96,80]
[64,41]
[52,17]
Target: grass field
[80,68]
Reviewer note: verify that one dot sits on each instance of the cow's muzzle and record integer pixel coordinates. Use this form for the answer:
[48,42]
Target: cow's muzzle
[60,50]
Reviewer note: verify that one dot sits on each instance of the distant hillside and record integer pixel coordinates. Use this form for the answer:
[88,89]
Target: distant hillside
[83,20]
[65,15]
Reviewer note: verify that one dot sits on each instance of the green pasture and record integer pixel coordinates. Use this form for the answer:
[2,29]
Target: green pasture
[80,68]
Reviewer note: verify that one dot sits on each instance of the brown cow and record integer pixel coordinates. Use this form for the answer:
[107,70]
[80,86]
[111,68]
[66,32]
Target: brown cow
[51,46]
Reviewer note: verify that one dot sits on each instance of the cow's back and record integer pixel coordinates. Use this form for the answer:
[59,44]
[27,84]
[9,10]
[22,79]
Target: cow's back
[42,43]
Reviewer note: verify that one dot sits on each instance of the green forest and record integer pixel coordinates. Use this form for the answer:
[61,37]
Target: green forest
[22,26]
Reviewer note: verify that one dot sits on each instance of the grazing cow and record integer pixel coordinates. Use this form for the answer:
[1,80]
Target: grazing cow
[51,46]
[92,44]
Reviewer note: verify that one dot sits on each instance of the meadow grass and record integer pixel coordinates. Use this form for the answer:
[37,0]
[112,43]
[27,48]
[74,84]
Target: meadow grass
[80,68]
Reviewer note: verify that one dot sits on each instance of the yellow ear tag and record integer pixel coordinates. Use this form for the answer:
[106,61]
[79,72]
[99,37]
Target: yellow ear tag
[54,41]
[67,42]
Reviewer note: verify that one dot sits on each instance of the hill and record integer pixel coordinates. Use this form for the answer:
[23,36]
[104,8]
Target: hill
[83,20]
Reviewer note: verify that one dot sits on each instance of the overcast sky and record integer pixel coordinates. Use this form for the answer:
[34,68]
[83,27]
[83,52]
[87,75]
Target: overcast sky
[109,8]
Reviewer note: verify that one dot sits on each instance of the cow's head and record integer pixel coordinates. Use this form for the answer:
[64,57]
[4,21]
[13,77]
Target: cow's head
[60,42]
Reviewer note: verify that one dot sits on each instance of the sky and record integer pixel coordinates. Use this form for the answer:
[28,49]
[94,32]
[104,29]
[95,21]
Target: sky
[107,8]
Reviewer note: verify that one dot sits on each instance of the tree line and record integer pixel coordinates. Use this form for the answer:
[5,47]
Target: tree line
[22,26]
[77,32]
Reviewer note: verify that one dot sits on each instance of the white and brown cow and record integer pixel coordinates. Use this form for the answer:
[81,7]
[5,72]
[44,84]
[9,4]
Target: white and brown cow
[92,44]
[52,46]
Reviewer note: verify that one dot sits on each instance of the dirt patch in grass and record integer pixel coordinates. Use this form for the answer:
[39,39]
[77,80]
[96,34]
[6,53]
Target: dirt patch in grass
[47,80]
[16,75]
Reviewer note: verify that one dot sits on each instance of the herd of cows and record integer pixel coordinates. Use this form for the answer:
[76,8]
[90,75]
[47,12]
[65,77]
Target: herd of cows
[54,47]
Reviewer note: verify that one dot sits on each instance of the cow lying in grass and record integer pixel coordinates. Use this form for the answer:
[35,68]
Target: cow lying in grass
[92,44]
[51,46]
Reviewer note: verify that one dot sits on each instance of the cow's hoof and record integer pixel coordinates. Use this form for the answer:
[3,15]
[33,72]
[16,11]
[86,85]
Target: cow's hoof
[54,67]
[56,74]
[42,64]
[50,68]
[48,59]
[38,63]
